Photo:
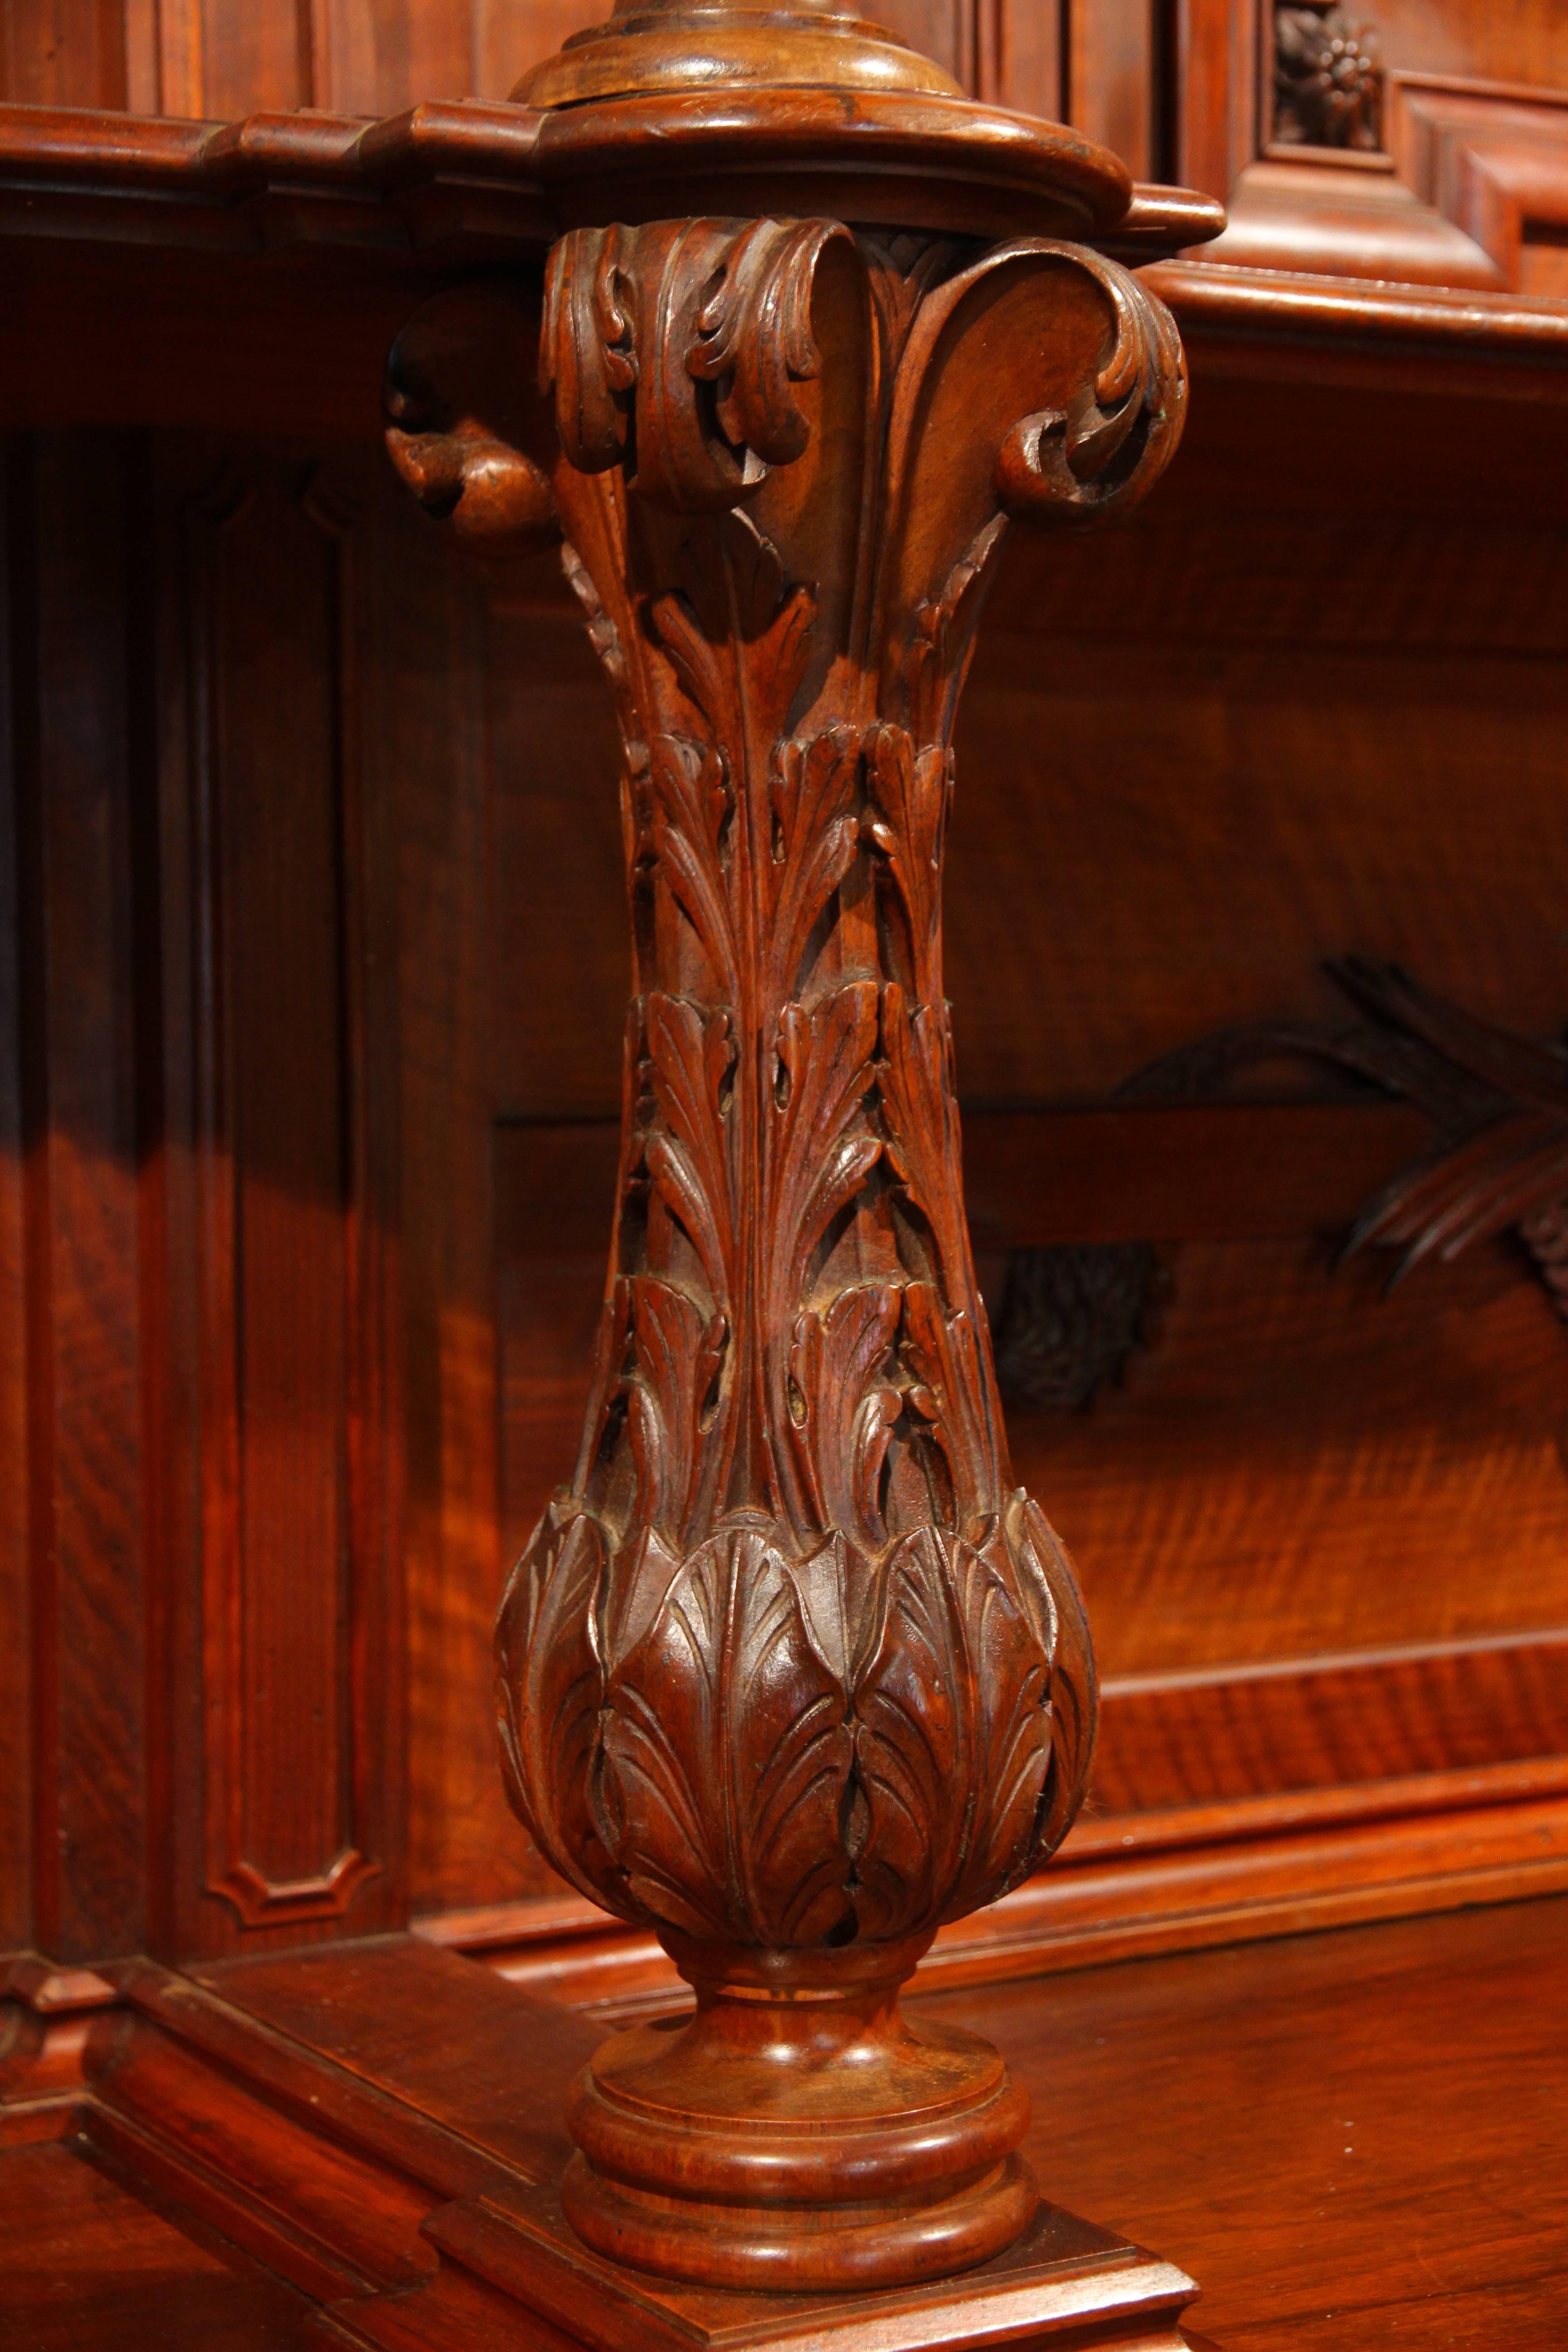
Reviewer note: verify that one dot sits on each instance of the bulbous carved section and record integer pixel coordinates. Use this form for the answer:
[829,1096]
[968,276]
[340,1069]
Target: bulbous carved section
[748,1747]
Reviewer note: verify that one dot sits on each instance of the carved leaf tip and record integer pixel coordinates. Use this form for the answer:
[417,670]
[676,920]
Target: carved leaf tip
[701,407]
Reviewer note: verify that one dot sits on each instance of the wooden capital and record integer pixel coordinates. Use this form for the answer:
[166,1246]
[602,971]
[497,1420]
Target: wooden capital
[791,1670]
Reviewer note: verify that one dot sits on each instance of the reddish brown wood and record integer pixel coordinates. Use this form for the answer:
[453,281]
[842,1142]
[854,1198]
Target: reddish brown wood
[1131,1884]
[339,2124]
[1375,2230]
[1274,2060]
[79,945]
[100,2269]
[790,1667]
[278,1647]
[16,1660]
[1324,1540]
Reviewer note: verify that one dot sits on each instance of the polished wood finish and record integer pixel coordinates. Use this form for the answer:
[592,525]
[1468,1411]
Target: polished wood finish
[790,1669]
[1309,699]
[299,2107]
[1381,2080]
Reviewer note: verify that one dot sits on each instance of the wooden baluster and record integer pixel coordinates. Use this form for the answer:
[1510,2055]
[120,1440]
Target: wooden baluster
[791,1670]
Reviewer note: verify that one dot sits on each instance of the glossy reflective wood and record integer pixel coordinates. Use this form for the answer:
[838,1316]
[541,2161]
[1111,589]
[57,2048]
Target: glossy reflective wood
[1310,700]
[1401,2089]
[790,1669]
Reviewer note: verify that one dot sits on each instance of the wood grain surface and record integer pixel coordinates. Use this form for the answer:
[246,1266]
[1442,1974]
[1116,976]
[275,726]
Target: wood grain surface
[1370,2125]
[1399,2089]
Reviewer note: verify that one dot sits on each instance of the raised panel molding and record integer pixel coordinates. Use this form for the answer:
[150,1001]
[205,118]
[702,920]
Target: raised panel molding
[1492,158]
[1470,190]
[295,1457]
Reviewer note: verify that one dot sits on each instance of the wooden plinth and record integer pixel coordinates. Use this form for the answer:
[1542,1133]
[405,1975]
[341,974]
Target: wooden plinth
[378,2124]
[795,2131]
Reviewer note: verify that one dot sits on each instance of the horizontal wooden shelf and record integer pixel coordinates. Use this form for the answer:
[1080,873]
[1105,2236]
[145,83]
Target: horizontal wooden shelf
[1098,1173]
[1303,2123]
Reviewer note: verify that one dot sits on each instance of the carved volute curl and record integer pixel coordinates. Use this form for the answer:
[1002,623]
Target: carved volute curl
[791,1670]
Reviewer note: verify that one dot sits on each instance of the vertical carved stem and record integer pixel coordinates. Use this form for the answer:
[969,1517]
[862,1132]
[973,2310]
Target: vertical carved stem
[792,1671]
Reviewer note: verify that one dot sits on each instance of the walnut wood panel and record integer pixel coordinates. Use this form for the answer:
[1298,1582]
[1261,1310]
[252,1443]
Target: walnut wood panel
[426,764]
[1302,1466]
[1213,1733]
[1114,66]
[281,1215]
[71,648]
[72,53]
[16,1658]
[1494,161]
[101,2268]
[1375,2125]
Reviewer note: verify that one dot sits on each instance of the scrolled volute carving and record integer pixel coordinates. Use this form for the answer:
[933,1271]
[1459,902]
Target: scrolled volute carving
[1110,448]
[462,420]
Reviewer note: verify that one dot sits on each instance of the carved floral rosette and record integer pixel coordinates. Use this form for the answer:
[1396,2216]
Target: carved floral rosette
[792,1662]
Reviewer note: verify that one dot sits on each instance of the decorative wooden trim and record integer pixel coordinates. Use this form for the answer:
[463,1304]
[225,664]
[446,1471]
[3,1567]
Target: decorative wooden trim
[1128,1886]
[1325,86]
[1490,157]
[1498,1157]
[1251,321]
[1470,168]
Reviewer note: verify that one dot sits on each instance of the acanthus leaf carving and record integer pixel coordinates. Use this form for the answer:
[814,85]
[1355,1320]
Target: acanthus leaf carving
[692,1053]
[672,349]
[909,793]
[729,1808]
[827,1676]
[815,831]
[844,1405]
[549,1690]
[1110,447]
[952,1738]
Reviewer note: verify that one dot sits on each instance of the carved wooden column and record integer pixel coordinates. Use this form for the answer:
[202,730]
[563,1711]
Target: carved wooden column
[791,1671]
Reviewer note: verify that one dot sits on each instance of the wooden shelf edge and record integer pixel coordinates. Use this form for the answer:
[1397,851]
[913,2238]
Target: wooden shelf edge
[1515,345]
[1127,1889]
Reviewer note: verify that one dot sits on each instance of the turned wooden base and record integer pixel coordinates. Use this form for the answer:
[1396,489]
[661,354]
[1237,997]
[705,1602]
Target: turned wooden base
[379,2125]
[798,2131]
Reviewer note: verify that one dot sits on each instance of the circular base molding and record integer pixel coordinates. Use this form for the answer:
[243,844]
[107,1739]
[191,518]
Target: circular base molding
[798,2132]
